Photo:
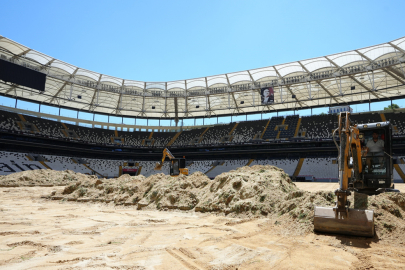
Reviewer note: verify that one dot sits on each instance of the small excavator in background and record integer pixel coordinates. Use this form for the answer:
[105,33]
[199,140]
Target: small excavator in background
[177,165]
[353,176]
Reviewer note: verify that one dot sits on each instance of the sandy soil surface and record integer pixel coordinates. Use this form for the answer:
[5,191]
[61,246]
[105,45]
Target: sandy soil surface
[308,186]
[37,233]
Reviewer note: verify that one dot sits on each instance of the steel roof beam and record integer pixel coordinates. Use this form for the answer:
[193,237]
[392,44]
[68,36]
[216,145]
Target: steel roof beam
[389,71]
[288,88]
[324,88]
[143,99]
[63,86]
[385,69]
[353,78]
[396,47]
[117,108]
[95,93]
[364,86]
[21,53]
[13,86]
[233,96]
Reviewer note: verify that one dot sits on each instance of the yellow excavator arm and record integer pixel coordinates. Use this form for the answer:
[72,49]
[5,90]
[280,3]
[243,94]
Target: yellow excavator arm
[341,219]
[166,153]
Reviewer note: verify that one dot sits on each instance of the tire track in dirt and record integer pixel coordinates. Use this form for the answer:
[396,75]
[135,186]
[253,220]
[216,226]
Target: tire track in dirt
[27,243]
[183,261]
[19,258]
[187,253]
[19,233]
[143,239]
[232,223]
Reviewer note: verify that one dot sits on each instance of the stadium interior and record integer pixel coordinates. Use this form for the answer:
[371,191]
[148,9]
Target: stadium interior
[301,145]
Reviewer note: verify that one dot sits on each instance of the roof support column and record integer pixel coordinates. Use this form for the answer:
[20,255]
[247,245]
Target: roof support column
[185,99]
[95,95]
[400,62]
[143,99]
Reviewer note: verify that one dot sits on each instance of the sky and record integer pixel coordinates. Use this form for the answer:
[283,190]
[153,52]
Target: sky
[158,40]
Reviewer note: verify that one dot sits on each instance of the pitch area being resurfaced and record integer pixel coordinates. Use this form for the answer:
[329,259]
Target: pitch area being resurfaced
[41,233]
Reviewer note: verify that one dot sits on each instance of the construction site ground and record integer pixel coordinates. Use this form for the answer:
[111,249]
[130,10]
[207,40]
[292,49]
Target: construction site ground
[40,233]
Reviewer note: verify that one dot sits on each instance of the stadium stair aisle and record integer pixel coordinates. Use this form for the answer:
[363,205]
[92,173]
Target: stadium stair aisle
[383,117]
[174,138]
[250,162]
[299,166]
[202,134]
[233,129]
[213,167]
[22,117]
[45,165]
[85,165]
[116,133]
[150,135]
[264,131]
[400,172]
[297,128]
[279,131]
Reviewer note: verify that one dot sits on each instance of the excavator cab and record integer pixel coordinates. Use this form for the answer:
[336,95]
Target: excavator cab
[178,166]
[378,166]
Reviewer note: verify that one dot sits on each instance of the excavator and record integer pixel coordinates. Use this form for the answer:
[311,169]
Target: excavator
[177,165]
[361,171]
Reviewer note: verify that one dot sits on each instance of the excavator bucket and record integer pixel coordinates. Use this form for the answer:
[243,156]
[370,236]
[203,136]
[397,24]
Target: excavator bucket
[356,222]
[158,166]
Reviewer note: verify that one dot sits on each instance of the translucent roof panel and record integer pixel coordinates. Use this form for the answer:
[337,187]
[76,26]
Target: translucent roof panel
[220,79]
[376,51]
[63,66]
[288,68]
[343,59]
[156,85]
[85,73]
[111,80]
[176,84]
[261,73]
[199,83]
[137,84]
[38,57]
[400,43]
[239,77]
[12,46]
[315,64]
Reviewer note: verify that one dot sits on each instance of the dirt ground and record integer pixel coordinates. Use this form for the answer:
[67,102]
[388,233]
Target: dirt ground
[310,186]
[37,233]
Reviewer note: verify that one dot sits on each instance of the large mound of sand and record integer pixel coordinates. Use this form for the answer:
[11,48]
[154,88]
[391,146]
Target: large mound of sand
[255,191]
[42,177]
[252,191]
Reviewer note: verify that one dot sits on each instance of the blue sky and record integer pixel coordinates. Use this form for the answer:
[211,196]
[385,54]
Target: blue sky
[172,40]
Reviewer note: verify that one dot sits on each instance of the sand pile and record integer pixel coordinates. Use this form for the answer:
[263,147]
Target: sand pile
[389,213]
[42,177]
[255,191]
[248,192]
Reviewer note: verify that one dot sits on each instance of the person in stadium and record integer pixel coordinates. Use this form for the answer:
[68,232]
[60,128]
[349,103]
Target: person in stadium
[374,148]
[268,95]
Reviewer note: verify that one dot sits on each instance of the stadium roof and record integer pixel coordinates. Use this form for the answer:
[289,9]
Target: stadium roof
[368,74]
